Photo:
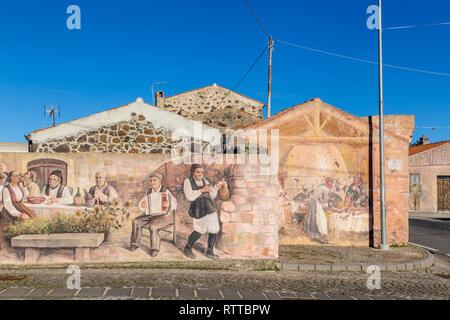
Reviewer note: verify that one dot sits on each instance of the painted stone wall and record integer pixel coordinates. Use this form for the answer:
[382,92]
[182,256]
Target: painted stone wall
[248,217]
[135,136]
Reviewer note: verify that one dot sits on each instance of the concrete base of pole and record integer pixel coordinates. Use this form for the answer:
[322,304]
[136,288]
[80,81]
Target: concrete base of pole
[384,247]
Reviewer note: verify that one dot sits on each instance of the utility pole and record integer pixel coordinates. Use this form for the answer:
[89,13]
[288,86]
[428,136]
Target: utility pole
[269,93]
[384,245]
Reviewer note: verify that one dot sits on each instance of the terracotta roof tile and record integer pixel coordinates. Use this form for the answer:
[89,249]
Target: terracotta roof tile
[424,147]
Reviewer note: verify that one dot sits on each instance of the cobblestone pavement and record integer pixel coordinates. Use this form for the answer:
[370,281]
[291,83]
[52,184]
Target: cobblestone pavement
[433,283]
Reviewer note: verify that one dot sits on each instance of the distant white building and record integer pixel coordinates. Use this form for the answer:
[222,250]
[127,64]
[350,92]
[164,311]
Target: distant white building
[13,147]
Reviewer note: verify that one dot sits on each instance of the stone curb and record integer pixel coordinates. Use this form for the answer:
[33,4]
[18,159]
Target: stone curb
[420,264]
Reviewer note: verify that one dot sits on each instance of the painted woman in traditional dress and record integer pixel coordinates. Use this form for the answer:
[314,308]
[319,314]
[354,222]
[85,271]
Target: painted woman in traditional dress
[315,225]
[13,195]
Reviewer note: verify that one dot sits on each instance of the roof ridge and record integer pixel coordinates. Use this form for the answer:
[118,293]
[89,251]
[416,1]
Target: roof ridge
[89,115]
[216,85]
[345,113]
[425,147]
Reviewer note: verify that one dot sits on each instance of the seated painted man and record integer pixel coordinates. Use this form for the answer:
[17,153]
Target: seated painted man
[29,181]
[102,191]
[158,205]
[55,191]
[13,195]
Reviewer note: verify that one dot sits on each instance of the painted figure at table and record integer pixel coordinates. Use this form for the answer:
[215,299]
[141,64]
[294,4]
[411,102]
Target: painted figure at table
[55,191]
[103,192]
[158,205]
[13,195]
[3,183]
[29,181]
[322,198]
[356,194]
[202,209]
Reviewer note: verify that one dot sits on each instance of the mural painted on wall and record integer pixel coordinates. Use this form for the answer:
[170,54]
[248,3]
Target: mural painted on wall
[414,192]
[326,197]
[172,212]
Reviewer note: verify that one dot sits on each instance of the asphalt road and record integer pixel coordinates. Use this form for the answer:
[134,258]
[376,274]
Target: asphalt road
[432,233]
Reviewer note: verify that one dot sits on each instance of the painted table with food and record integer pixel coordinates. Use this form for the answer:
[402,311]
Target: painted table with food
[43,207]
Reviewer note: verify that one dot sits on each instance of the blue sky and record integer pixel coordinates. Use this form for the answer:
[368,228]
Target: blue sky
[124,46]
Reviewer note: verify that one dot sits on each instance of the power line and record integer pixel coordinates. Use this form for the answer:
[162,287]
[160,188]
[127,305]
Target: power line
[257,19]
[362,60]
[245,75]
[424,25]
[432,128]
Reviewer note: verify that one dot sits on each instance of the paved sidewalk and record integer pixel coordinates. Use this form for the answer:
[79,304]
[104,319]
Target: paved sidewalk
[332,258]
[158,293]
[431,215]
[108,284]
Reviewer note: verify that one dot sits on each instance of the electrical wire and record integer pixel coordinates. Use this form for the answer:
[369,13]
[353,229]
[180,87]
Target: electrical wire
[361,60]
[353,58]
[433,128]
[243,77]
[425,25]
[257,19]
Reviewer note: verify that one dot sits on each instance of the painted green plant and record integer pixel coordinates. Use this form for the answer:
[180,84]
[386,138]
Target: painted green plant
[97,220]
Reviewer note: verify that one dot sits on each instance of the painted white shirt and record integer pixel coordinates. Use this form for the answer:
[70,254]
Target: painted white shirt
[191,195]
[66,197]
[20,194]
[146,207]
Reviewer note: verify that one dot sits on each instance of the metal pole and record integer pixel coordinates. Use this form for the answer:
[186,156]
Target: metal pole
[269,93]
[384,245]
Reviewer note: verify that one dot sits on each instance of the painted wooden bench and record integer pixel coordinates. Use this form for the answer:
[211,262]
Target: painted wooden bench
[81,242]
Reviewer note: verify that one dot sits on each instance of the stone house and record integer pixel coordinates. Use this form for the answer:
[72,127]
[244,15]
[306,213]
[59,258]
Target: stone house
[142,128]
[429,176]
[329,174]
[213,105]
[134,128]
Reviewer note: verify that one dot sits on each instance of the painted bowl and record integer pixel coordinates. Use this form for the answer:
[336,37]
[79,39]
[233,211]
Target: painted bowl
[36,200]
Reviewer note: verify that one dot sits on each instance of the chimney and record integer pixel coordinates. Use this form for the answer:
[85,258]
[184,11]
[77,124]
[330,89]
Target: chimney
[424,140]
[160,99]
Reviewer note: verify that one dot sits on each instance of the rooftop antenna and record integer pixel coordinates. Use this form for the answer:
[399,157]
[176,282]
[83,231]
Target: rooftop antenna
[153,94]
[51,111]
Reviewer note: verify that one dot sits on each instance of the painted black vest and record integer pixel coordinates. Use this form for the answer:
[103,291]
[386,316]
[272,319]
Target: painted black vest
[203,205]
[105,192]
[58,194]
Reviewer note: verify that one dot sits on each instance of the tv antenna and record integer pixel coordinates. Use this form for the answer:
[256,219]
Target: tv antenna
[153,94]
[51,111]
